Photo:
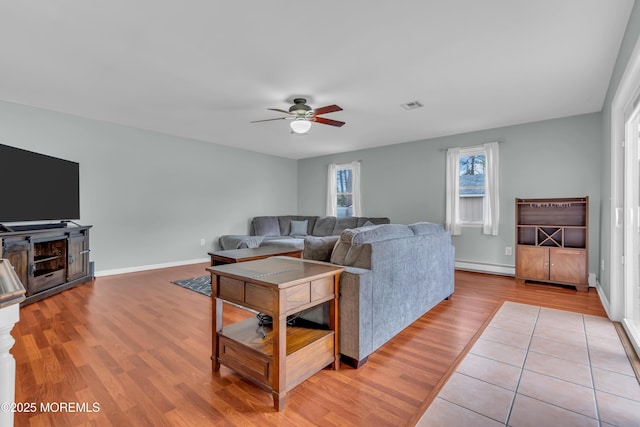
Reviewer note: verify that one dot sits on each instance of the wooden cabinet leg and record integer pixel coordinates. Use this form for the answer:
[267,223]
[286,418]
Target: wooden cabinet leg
[279,400]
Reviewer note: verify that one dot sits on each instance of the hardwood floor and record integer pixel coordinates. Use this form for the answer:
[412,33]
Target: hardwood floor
[139,347]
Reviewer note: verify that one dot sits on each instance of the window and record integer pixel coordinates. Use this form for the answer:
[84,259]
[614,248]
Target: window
[343,190]
[344,181]
[472,188]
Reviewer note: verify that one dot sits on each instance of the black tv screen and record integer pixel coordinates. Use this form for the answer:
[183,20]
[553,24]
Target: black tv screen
[36,187]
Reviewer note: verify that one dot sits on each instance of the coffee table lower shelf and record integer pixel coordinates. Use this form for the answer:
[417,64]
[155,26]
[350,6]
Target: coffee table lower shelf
[242,348]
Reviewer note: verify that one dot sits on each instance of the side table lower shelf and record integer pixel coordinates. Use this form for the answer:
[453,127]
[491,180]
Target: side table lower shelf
[242,348]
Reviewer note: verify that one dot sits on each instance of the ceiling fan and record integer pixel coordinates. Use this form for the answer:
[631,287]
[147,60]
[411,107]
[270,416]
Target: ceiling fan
[303,115]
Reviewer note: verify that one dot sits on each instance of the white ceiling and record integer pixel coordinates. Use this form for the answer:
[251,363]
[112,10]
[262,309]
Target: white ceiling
[204,69]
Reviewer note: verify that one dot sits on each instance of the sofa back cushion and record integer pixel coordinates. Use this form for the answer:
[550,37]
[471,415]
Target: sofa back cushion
[362,221]
[266,226]
[375,233]
[324,226]
[311,222]
[423,228]
[344,223]
[353,248]
[284,222]
[316,226]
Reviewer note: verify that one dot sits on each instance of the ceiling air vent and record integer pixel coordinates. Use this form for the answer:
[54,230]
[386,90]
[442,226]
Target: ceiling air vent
[412,105]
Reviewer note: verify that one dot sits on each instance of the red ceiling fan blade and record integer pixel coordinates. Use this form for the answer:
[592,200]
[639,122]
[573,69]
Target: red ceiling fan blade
[328,121]
[268,120]
[277,109]
[327,109]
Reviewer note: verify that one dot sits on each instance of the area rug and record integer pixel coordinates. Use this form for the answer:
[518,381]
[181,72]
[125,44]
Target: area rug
[200,284]
[539,366]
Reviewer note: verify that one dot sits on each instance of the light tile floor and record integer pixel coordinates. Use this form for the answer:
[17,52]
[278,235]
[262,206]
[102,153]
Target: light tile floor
[535,366]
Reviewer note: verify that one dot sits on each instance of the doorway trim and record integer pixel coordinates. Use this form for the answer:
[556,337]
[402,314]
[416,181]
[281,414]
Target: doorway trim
[623,102]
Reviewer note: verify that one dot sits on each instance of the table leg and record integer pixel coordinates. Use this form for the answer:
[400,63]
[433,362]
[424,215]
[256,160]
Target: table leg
[279,357]
[334,322]
[217,323]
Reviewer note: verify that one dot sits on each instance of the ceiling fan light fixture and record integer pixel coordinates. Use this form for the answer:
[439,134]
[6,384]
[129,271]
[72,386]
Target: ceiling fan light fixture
[300,125]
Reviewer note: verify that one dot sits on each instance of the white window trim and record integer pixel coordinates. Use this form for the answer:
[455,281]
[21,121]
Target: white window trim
[491,222]
[332,191]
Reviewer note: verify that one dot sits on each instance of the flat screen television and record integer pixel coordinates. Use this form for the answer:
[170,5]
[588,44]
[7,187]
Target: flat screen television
[36,187]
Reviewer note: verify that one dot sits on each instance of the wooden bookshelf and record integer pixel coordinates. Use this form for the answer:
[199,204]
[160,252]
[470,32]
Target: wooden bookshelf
[552,238]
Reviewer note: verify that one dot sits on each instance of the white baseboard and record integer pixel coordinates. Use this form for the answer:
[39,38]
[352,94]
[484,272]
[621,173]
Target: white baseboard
[149,267]
[604,300]
[506,270]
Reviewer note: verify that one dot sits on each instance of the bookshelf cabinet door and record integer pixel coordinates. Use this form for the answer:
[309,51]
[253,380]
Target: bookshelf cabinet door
[533,262]
[568,266]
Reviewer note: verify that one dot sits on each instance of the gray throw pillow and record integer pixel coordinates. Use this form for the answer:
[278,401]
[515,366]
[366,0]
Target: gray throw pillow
[367,224]
[298,228]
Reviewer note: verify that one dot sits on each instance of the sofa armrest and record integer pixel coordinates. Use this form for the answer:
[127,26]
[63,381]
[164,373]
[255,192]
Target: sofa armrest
[233,241]
[356,313]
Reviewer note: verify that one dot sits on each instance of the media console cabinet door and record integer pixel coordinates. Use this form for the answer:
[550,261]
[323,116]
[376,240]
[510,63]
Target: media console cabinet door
[78,262]
[17,252]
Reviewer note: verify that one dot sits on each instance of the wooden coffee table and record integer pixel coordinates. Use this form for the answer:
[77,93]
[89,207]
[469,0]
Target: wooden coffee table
[249,254]
[277,357]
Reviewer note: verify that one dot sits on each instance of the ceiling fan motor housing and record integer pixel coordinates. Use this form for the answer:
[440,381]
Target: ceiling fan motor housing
[299,107]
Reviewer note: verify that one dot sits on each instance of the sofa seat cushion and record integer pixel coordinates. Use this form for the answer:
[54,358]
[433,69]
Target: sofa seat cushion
[240,241]
[284,241]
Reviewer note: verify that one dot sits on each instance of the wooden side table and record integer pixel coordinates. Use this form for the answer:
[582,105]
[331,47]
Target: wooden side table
[284,356]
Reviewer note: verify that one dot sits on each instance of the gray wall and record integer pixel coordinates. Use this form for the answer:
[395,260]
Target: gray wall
[151,197]
[628,43]
[553,158]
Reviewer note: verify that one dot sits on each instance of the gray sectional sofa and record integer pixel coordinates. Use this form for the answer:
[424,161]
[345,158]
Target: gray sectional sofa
[316,235]
[394,274]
